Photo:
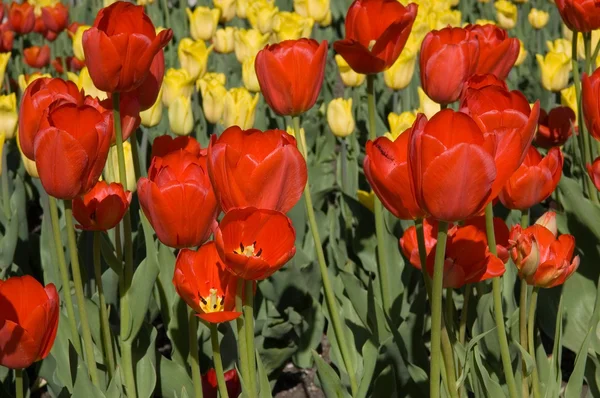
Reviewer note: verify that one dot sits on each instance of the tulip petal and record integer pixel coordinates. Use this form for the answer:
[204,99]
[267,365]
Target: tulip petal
[219,317]
[102,58]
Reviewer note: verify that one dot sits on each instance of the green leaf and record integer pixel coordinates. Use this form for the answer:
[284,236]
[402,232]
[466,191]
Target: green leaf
[369,354]
[263,379]
[529,361]
[146,367]
[173,378]
[115,388]
[465,352]
[83,385]
[492,387]
[140,292]
[330,381]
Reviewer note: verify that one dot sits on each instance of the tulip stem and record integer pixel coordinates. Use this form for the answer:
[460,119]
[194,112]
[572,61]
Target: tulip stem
[249,322]
[498,311]
[332,307]
[423,255]
[436,312]
[535,387]
[523,318]
[193,358]
[64,274]
[104,325]
[5,184]
[241,335]
[216,349]
[382,263]
[135,154]
[88,344]
[19,383]
[462,331]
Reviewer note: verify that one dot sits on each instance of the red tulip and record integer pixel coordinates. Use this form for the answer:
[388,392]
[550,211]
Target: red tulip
[203,283]
[386,169]
[71,64]
[480,81]
[497,52]
[178,199]
[448,58]
[71,147]
[594,172]
[376,32]
[254,243]
[590,102]
[21,17]
[121,46]
[555,128]
[410,245]
[210,386]
[2,11]
[165,144]
[129,111]
[147,93]
[37,57]
[452,169]
[102,208]
[29,316]
[255,168]
[38,97]
[7,37]
[290,74]
[534,181]
[579,15]
[56,17]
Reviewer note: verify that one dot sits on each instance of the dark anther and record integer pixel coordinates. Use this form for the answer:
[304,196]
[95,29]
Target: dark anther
[215,306]
[222,299]
[254,243]
[241,247]
[203,301]
[259,253]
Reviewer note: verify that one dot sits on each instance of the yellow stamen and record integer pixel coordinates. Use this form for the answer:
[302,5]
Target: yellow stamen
[212,303]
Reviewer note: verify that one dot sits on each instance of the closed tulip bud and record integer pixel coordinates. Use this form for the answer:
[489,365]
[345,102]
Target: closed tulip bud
[30,166]
[177,83]
[548,221]
[84,82]
[401,72]
[203,22]
[367,199]
[210,76]
[538,18]
[349,77]
[249,75]
[555,69]
[560,46]
[484,22]
[506,14]
[25,80]
[291,26]
[568,98]
[318,10]
[426,104]
[248,42]
[579,15]
[241,8]
[340,117]
[21,17]
[260,14]
[8,115]
[213,99]
[555,127]
[4,57]
[593,171]
[227,8]
[400,123]
[111,168]
[409,242]
[37,57]
[193,56]
[181,118]
[239,108]
[152,116]
[102,208]
[223,40]
[522,54]
[526,255]
[77,38]
[497,51]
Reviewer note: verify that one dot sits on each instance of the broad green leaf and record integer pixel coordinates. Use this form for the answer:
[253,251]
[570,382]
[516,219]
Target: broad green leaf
[173,378]
[83,385]
[263,379]
[369,355]
[140,292]
[146,366]
[330,381]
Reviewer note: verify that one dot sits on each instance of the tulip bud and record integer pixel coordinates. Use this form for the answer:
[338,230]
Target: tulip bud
[111,168]
[8,115]
[241,8]
[548,221]
[318,10]
[367,199]
[401,72]
[400,123]
[248,42]
[560,46]
[209,76]
[77,42]
[506,14]
[446,18]
[568,98]
[4,57]
[522,54]
[427,105]
[227,8]
[193,56]
[249,75]
[260,14]
[84,82]
[181,118]
[151,117]
[177,83]
[291,26]
[349,77]
[555,69]
[526,255]
[239,108]
[213,99]
[26,80]
[538,18]
[223,40]
[290,130]
[30,166]
[340,118]
[203,22]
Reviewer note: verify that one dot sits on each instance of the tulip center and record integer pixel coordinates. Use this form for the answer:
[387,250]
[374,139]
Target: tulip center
[212,303]
[248,251]
[372,44]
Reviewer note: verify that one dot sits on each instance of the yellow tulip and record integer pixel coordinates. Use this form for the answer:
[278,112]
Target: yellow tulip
[569,98]
[4,57]
[538,18]
[241,8]
[349,77]
[291,26]
[260,14]
[367,199]
[239,108]
[203,22]
[85,83]
[152,116]
[209,76]
[30,166]
[249,75]
[193,56]
[111,168]
[560,46]
[444,18]
[8,115]
[399,75]
[426,104]
[2,149]
[181,117]
[144,2]
[107,3]
[77,45]
[318,10]
[554,68]
[399,123]
[506,14]
[522,54]
[176,83]
[25,81]
[248,42]
[485,22]
[290,130]
[340,117]
[223,40]
[213,99]
[227,8]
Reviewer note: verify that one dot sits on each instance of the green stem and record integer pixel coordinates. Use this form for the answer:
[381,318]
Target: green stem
[193,359]
[332,307]
[436,310]
[462,332]
[523,318]
[449,310]
[64,274]
[241,336]
[249,322]
[127,368]
[5,184]
[19,383]
[135,154]
[423,255]
[535,386]
[382,263]
[104,325]
[498,311]
[88,345]
[216,349]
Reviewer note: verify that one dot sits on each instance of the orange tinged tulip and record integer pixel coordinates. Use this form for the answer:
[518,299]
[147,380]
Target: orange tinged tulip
[37,57]
[21,17]
[479,81]
[7,37]
[376,32]
[410,245]
[386,169]
[579,15]
[594,172]
[590,101]
[534,181]
[254,243]
[56,17]
[255,168]
[29,316]
[178,199]
[290,74]
[203,283]
[102,208]
[448,58]
[555,127]
[165,144]
[120,47]
[497,52]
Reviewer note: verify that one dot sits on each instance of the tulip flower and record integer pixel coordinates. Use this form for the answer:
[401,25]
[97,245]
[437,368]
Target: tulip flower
[202,282]
[399,124]
[213,99]
[259,169]
[249,76]
[77,38]
[176,191]
[102,208]
[568,98]
[522,54]
[555,70]
[181,118]
[239,108]
[223,40]
[37,57]
[538,18]
[448,58]
[497,51]
[152,116]
[590,90]
[29,316]
[145,95]
[247,43]
[400,74]
[478,82]
[111,168]
[409,243]
[291,26]
[26,80]
[260,14]
[534,181]
[55,17]
[121,46]
[318,10]
[555,127]
[30,166]
[129,109]
[349,77]
[542,259]
[21,17]
[254,243]
[594,172]
[579,15]
[203,22]
[165,144]
[232,381]
[7,37]
[193,57]
[241,8]
[177,83]
[8,115]
[290,74]
[227,8]
[84,82]
[376,32]
[340,117]
[506,14]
